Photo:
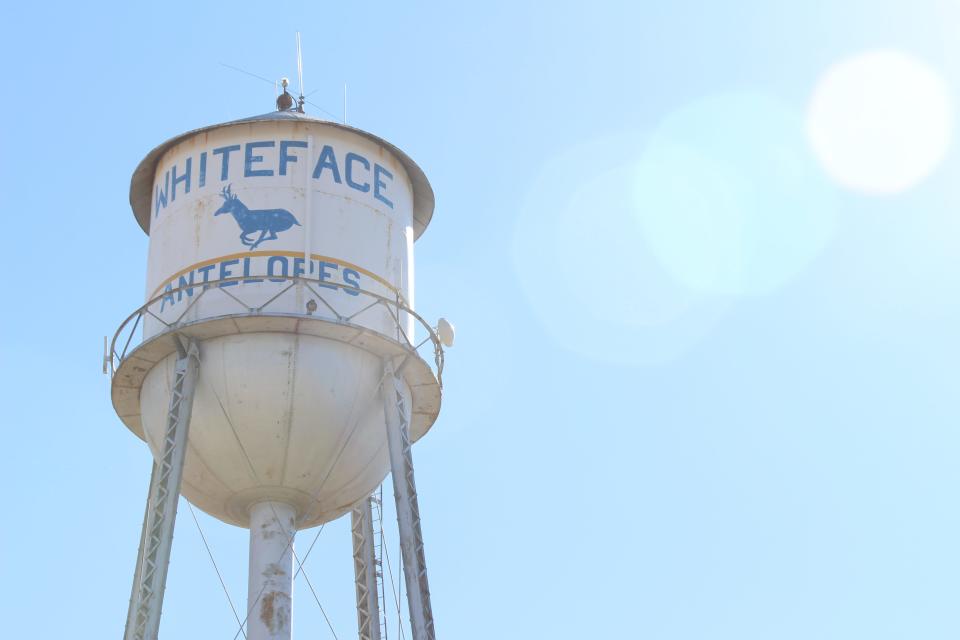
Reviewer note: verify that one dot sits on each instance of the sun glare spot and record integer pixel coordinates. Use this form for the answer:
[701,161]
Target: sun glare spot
[880,122]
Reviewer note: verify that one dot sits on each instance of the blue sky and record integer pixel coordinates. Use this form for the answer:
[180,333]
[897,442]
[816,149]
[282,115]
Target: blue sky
[702,389]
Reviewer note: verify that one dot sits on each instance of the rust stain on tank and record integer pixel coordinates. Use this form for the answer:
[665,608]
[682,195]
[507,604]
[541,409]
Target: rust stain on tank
[266,610]
[275,611]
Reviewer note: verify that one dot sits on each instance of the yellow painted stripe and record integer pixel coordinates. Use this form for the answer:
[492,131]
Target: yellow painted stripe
[258,254]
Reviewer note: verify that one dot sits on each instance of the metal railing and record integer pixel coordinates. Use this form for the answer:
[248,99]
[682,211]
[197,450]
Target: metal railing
[126,338]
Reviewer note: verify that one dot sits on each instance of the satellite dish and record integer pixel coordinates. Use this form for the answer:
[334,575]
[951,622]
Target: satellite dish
[446,332]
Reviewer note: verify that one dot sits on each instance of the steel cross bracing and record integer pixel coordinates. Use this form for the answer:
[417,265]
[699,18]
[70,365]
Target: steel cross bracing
[365,570]
[143,621]
[408,512]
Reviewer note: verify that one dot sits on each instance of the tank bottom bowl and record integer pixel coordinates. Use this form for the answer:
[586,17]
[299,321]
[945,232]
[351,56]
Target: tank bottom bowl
[287,416]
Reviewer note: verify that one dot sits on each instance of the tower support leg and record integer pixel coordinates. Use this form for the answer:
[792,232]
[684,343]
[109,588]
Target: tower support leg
[269,599]
[365,570]
[150,577]
[408,513]
[135,590]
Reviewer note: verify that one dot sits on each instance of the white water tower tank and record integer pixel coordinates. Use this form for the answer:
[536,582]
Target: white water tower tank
[283,245]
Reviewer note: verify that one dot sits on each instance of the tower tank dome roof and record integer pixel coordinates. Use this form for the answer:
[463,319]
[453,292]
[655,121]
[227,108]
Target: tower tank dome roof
[141,184]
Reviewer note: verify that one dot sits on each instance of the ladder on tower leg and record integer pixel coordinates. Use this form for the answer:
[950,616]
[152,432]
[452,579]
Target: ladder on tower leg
[153,558]
[364,569]
[376,501]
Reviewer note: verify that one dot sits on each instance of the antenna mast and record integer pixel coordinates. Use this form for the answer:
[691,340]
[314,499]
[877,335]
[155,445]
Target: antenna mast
[301,99]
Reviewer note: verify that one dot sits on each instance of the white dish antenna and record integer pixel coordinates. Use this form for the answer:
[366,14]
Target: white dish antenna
[446,332]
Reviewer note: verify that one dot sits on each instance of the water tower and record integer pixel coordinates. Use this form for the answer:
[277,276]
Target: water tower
[277,369]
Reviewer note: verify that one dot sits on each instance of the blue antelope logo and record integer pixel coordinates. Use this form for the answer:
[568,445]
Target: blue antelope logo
[267,221]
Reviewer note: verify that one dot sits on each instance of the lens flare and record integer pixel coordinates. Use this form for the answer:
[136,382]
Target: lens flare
[729,198]
[586,269]
[880,122]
